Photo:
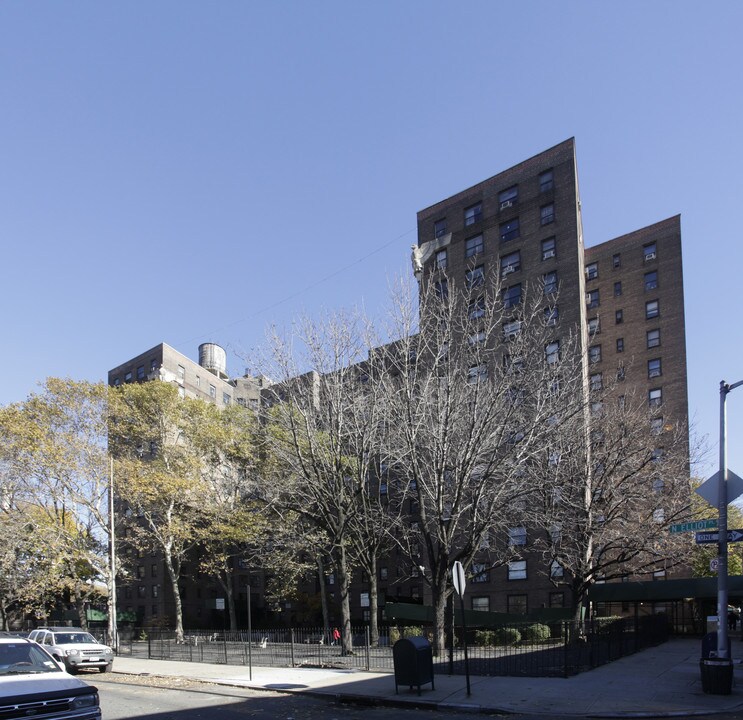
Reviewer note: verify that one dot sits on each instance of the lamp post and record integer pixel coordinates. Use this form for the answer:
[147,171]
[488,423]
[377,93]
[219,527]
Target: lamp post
[722,525]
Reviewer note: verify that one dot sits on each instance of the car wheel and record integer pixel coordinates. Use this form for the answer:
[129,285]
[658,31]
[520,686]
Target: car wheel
[105,668]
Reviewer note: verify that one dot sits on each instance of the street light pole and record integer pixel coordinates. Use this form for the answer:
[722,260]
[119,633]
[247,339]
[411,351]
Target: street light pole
[722,525]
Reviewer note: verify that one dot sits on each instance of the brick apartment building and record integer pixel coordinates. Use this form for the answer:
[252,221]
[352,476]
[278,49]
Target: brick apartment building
[524,227]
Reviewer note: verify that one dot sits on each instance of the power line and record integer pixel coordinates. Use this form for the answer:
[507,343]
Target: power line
[303,290]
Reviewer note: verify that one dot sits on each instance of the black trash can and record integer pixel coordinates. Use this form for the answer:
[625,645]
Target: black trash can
[413,660]
[717,673]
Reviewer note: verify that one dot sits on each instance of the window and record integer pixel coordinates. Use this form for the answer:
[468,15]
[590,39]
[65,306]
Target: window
[181,372]
[476,337]
[508,198]
[594,354]
[549,249]
[658,485]
[141,591]
[439,227]
[117,382]
[620,344]
[141,572]
[473,246]
[656,426]
[477,373]
[516,604]
[517,570]
[128,377]
[546,181]
[140,372]
[441,260]
[549,280]
[226,399]
[475,277]
[383,573]
[511,296]
[619,317]
[654,368]
[547,214]
[592,271]
[597,381]
[653,338]
[651,280]
[621,373]
[198,381]
[592,298]
[617,289]
[510,263]
[516,536]
[552,352]
[652,309]
[442,289]
[593,326]
[480,574]
[153,365]
[212,391]
[655,397]
[551,315]
[476,309]
[556,570]
[473,214]
[481,603]
[648,252]
[616,260]
[155,591]
[557,599]
[181,392]
[510,230]
[659,515]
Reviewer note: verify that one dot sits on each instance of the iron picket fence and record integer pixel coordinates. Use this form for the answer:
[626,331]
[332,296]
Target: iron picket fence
[556,649]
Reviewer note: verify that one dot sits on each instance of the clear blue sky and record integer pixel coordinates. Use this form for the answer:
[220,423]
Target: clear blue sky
[177,171]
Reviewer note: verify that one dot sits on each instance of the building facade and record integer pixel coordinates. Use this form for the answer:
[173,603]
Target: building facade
[522,226]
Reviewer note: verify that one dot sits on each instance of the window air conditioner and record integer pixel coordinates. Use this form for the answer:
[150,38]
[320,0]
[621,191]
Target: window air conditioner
[548,254]
[506,204]
[649,256]
[508,270]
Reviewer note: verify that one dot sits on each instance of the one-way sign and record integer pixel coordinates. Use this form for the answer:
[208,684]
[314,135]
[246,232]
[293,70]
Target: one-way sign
[713,537]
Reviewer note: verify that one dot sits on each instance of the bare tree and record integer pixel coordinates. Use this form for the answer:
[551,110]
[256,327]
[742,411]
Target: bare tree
[470,394]
[609,489]
[323,424]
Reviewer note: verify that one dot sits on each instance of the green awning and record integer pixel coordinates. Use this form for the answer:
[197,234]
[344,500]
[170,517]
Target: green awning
[663,590]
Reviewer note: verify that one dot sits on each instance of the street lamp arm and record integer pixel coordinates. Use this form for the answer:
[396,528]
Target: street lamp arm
[728,388]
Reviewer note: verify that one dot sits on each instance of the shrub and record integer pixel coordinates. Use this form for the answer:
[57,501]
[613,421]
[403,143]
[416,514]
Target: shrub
[536,633]
[507,636]
[484,637]
[394,635]
[413,631]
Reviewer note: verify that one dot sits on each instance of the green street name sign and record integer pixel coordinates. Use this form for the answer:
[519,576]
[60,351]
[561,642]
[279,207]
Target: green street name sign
[694,526]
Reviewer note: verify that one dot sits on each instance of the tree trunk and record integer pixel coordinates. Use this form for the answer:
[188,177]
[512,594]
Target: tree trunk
[344,584]
[439,618]
[373,604]
[173,577]
[324,601]
[230,593]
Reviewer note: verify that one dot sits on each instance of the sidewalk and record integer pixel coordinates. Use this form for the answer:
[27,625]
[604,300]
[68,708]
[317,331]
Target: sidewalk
[664,680]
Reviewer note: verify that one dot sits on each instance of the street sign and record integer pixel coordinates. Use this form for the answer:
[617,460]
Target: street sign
[693,526]
[457,576]
[710,487]
[704,538]
[714,564]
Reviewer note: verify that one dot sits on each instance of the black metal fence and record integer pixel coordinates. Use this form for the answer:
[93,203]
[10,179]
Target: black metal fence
[557,649]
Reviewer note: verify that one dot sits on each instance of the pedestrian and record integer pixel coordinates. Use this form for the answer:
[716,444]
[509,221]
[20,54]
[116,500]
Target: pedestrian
[732,619]
[336,635]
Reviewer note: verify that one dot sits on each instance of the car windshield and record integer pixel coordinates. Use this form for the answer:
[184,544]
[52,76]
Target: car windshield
[25,658]
[78,638]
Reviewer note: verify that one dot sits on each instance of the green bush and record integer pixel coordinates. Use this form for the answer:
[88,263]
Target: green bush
[507,636]
[394,635]
[536,633]
[412,631]
[484,637]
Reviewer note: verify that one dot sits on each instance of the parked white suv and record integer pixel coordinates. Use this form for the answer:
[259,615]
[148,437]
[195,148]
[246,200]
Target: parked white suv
[74,647]
[32,684]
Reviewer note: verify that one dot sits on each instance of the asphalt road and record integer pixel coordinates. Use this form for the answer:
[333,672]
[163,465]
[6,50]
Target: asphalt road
[125,696]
